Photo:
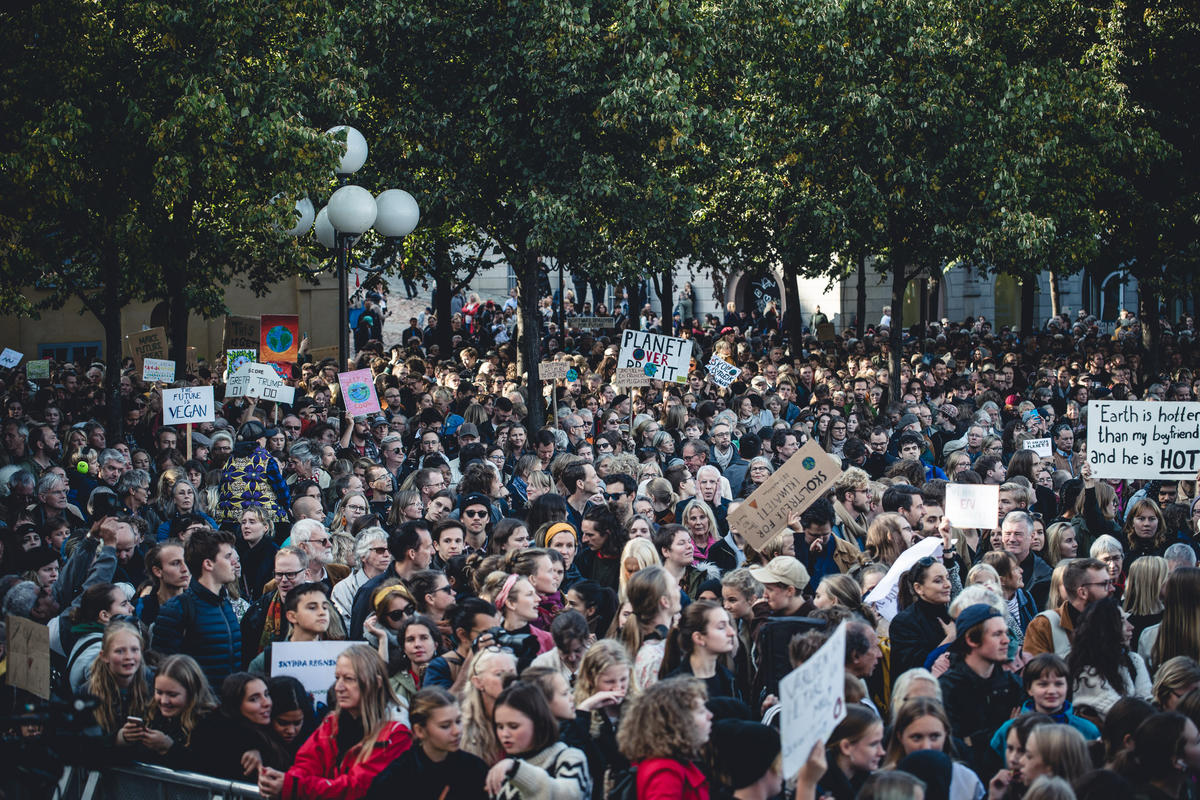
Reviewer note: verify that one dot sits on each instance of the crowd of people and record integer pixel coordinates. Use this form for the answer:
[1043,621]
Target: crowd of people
[561,608]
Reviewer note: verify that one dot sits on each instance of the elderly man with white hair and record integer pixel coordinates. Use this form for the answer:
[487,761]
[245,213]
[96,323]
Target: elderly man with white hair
[371,554]
[311,537]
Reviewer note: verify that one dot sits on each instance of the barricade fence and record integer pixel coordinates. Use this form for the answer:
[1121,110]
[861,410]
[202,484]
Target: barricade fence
[148,782]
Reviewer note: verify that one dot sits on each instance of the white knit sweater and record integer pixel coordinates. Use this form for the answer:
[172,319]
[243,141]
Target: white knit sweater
[1093,690]
[556,773]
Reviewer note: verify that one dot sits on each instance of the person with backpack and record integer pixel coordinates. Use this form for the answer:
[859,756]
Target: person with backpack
[99,605]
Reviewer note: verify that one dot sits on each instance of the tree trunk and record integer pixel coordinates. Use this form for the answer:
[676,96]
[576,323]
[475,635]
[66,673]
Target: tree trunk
[110,318]
[899,282]
[177,322]
[860,298]
[923,304]
[1151,329]
[1055,298]
[443,283]
[1028,300]
[636,301]
[795,319]
[529,336]
[667,298]
[935,295]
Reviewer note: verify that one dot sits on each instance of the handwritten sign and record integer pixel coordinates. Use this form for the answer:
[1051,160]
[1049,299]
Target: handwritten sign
[1138,439]
[158,369]
[151,343]
[630,376]
[358,392]
[38,370]
[319,354]
[552,370]
[241,333]
[972,505]
[721,372]
[825,332]
[280,338]
[190,404]
[885,597]
[804,477]
[591,323]
[29,656]
[311,663]
[664,358]
[813,701]
[1041,447]
[10,358]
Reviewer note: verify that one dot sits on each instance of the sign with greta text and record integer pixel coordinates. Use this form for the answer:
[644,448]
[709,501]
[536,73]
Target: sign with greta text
[804,477]
[159,370]
[721,372]
[311,663]
[663,358]
[190,404]
[813,701]
[552,370]
[973,505]
[1043,448]
[1138,439]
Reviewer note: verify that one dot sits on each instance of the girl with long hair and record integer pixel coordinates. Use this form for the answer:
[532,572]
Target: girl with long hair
[695,646]
[537,764]
[419,639]
[919,724]
[597,603]
[1142,599]
[1055,751]
[517,601]
[1165,755]
[1103,670]
[181,699]
[924,622]
[486,674]
[853,752]
[1060,543]
[1179,632]
[842,590]
[237,742]
[292,715]
[118,684]
[544,571]
[654,600]
[888,535]
[663,733]
[437,766]
[1145,531]
[601,689]
[354,742]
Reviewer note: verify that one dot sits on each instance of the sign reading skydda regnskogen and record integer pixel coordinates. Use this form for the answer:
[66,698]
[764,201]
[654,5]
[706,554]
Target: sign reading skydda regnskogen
[1138,439]
[663,358]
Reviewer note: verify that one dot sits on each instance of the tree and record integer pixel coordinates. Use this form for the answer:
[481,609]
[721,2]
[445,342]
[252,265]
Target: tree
[148,141]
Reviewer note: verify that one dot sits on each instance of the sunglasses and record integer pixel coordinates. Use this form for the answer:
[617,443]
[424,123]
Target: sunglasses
[475,514]
[398,614]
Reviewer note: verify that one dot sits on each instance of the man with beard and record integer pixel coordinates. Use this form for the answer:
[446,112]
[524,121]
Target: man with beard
[852,496]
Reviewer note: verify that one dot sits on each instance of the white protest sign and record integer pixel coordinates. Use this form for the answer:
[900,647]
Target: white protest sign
[972,505]
[190,404]
[1139,439]
[626,377]
[663,358]
[160,370]
[813,701]
[884,598]
[1041,447]
[552,370]
[259,380]
[311,663]
[10,358]
[721,372]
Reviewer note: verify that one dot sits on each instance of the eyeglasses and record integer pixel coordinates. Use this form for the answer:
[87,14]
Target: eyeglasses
[475,514]
[448,589]
[1108,584]
[288,576]
[379,550]
[395,450]
[324,541]
[614,495]
[397,614]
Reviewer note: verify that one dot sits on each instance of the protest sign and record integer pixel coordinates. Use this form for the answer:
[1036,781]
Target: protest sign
[10,358]
[1143,440]
[151,343]
[192,365]
[261,381]
[884,598]
[591,323]
[358,392]
[972,505]
[1041,447]
[804,477]
[721,372]
[236,359]
[825,332]
[628,377]
[29,656]
[279,338]
[552,370]
[663,358]
[319,354]
[38,370]
[191,404]
[241,333]
[812,701]
[311,663]
[159,370]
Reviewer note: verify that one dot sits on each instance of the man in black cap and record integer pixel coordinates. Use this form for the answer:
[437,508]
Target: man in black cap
[747,758]
[978,693]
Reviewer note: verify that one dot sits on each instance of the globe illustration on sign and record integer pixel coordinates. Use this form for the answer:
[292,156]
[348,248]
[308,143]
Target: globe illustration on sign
[359,392]
[279,339]
[809,462]
[237,363]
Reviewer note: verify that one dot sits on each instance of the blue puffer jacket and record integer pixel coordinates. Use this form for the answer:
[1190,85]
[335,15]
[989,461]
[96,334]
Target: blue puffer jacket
[202,625]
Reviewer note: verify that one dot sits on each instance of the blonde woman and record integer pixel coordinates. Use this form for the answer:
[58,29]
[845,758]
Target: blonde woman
[1143,593]
[350,509]
[487,673]
[1061,542]
[637,554]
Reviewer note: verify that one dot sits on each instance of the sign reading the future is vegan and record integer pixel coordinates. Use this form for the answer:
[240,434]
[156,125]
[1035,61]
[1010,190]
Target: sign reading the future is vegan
[663,358]
[1140,439]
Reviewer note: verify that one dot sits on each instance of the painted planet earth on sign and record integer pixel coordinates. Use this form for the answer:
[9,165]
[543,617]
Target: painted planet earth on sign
[359,392]
[572,375]
[279,339]
[808,463]
[238,362]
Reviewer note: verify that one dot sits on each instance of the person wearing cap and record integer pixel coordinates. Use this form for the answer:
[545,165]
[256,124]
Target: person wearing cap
[978,693]
[477,514]
[251,477]
[783,580]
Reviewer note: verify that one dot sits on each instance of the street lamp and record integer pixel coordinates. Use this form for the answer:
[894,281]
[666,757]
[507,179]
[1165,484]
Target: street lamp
[351,212]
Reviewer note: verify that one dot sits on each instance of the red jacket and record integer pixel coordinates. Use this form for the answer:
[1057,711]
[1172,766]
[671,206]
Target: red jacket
[315,776]
[669,779]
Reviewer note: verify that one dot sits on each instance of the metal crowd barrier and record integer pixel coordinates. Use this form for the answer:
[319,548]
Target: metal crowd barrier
[149,782]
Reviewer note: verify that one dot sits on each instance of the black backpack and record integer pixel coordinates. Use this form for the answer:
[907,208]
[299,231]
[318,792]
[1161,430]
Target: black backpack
[621,784]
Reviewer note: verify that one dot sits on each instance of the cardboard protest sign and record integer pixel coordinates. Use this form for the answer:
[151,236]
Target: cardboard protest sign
[1043,448]
[38,370]
[804,477]
[319,354]
[812,701]
[591,323]
[552,370]
[29,656]
[1139,439]
[192,365]
[241,333]
[663,358]
[145,344]
[972,505]
[10,358]
[630,376]
[279,338]
[159,370]
[236,359]
[358,392]
[825,332]
[721,372]
[311,663]
[884,598]
[191,404]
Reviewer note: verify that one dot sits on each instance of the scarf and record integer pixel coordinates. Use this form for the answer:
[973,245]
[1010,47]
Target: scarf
[273,624]
[723,460]
[854,528]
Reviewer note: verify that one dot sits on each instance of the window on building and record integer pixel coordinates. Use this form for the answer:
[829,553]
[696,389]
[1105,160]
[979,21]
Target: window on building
[71,352]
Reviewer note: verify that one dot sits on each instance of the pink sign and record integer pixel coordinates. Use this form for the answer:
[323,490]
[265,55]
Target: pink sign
[358,392]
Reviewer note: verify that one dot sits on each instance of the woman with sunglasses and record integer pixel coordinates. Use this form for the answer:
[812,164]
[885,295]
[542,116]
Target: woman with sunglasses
[392,606]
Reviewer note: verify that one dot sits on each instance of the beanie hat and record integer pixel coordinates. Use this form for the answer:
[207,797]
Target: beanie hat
[744,750]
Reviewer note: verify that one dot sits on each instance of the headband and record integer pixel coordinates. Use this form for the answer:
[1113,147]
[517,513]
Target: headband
[387,591]
[558,528]
[502,595]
